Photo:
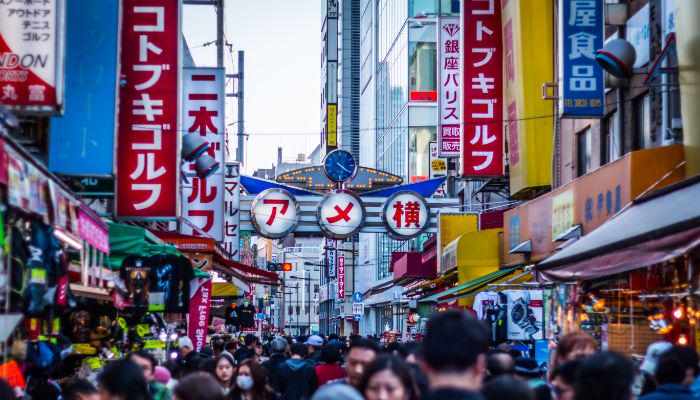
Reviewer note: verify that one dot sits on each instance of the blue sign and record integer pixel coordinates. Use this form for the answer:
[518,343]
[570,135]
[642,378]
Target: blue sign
[357,297]
[582,85]
[358,317]
[82,141]
[260,316]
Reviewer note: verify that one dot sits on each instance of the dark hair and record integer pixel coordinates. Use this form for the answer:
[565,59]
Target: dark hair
[330,354]
[669,370]
[208,365]
[567,372]
[199,386]
[453,341]
[604,376]
[507,387]
[75,387]
[230,346]
[144,354]
[124,378]
[573,341]
[398,367]
[362,343]
[299,349]
[409,348]
[250,339]
[394,347]
[260,389]
[497,365]
[686,355]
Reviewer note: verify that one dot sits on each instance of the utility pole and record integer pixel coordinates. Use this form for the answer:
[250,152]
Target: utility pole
[241,130]
[220,33]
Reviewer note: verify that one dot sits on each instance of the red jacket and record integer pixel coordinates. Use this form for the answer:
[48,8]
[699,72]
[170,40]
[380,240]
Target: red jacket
[328,372]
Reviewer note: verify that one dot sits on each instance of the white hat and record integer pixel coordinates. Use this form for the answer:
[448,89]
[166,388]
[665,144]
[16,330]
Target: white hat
[652,358]
[184,342]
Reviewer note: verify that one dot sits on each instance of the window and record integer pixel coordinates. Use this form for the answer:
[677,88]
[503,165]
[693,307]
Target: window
[419,152]
[611,142]
[449,7]
[315,288]
[298,310]
[290,310]
[422,8]
[642,122]
[307,310]
[422,48]
[584,149]
[674,133]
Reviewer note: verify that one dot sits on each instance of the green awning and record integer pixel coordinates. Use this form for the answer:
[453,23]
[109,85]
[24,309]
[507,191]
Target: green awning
[128,240]
[470,286]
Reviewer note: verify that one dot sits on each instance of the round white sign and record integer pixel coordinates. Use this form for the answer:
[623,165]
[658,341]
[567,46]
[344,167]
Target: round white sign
[405,215]
[340,214]
[274,213]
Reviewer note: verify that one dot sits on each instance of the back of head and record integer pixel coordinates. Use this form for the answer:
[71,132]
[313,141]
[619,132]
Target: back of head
[669,370]
[567,372]
[686,355]
[507,387]
[278,345]
[362,343]
[604,376]
[185,343]
[330,354]
[337,392]
[453,342]
[76,388]
[250,339]
[299,349]
[573,342]
[199,386]
[123,378]
[527,367]
[499,363]
[230,346]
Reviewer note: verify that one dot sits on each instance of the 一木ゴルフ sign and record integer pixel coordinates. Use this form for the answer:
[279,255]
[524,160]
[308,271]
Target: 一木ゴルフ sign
[482,133]
[147,161]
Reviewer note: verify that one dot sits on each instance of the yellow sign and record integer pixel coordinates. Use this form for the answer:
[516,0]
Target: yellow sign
[84,349]
[153,344]
[142,330]
[332,126]
[562,212]
[528,64]
[450,227]
[439,165]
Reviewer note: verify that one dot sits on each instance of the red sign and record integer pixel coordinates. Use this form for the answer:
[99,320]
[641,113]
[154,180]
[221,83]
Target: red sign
[428,95]
[341,277]
[198,317]
[482,141]
[147,164]
[11,373]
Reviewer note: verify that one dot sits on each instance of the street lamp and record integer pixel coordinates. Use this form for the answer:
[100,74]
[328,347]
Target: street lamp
[308,290]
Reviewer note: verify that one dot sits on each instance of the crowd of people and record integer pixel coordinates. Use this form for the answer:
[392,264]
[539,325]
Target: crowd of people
[454,361]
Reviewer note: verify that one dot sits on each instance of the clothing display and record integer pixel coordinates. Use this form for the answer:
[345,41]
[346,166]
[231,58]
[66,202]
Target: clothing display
[246,316]
[170,278]
[485,300]
[525,314]
[135,271]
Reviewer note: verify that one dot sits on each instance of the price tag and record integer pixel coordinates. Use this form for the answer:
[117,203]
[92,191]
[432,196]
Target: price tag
[37,275]
[142,330]
[153,344]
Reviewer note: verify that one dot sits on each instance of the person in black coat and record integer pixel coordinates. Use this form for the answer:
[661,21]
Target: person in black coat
[295,378]
[278,346]
[189,359]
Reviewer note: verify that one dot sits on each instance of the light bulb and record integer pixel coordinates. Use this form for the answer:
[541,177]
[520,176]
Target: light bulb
[682,340]
[678,313]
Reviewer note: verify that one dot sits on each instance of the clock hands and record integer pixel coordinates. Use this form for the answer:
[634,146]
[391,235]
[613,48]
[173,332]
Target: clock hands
[343,168]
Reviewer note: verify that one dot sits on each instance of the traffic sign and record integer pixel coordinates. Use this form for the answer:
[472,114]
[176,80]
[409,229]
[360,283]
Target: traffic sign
[357,297]
[358,317]
[260,316]
[358,308]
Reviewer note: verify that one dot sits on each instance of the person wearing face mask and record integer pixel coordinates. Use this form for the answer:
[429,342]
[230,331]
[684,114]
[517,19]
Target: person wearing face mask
[225,371]
[388,377]
[250,383]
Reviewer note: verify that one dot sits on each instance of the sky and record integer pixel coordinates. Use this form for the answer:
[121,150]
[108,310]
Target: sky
[282,44]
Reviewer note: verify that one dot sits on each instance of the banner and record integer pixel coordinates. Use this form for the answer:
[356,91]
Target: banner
[525,314]
[232,208]
[581,34]
[198,317]
[147,161]
[482,85]
[82,140]
[450,109]
[331,256]
[92,232]
[341,277]
[203,114]
[31,54]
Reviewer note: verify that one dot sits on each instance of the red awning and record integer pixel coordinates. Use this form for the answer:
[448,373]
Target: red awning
[243,272]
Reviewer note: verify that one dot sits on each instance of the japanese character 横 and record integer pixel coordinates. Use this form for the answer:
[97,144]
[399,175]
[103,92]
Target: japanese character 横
[398,213]
[412,214]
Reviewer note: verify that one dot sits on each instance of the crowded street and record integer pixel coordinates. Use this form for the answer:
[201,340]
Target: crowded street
[349,200]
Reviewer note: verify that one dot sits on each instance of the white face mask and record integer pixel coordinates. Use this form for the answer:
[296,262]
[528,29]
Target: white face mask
[244,382]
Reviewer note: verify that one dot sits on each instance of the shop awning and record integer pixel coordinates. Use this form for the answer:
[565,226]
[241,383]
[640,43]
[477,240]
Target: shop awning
[244,272]
[224,289]
[653,230]
[475,284]
[126,240]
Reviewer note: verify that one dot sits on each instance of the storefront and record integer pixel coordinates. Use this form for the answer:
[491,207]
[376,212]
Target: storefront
[636,277]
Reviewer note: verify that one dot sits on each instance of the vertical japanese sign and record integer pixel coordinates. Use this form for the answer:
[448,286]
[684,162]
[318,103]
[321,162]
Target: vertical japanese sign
[341,277]
[581,34]
[203,114]
[331,57]
[147,161]
[450,109]
[82,140]
[482,85]
[232,218]
[198,317]
[331,254]
[31,54]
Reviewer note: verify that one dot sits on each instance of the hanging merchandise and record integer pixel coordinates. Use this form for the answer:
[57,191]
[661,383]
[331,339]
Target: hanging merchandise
[485,300]
[525,314]
[135,271]
[170,278]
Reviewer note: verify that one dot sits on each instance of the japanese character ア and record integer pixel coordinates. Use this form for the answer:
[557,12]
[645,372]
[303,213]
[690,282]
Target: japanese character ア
[481,82]
[489,54]
[481,134]
[281,202]
[488,157]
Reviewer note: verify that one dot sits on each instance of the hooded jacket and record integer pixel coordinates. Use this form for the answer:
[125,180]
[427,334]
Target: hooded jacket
[296,379]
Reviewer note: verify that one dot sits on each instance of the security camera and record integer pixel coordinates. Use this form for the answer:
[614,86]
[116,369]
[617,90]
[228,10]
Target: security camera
[193,146]
[617,58]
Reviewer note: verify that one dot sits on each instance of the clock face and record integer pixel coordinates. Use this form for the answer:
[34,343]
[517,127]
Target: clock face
[339,166]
